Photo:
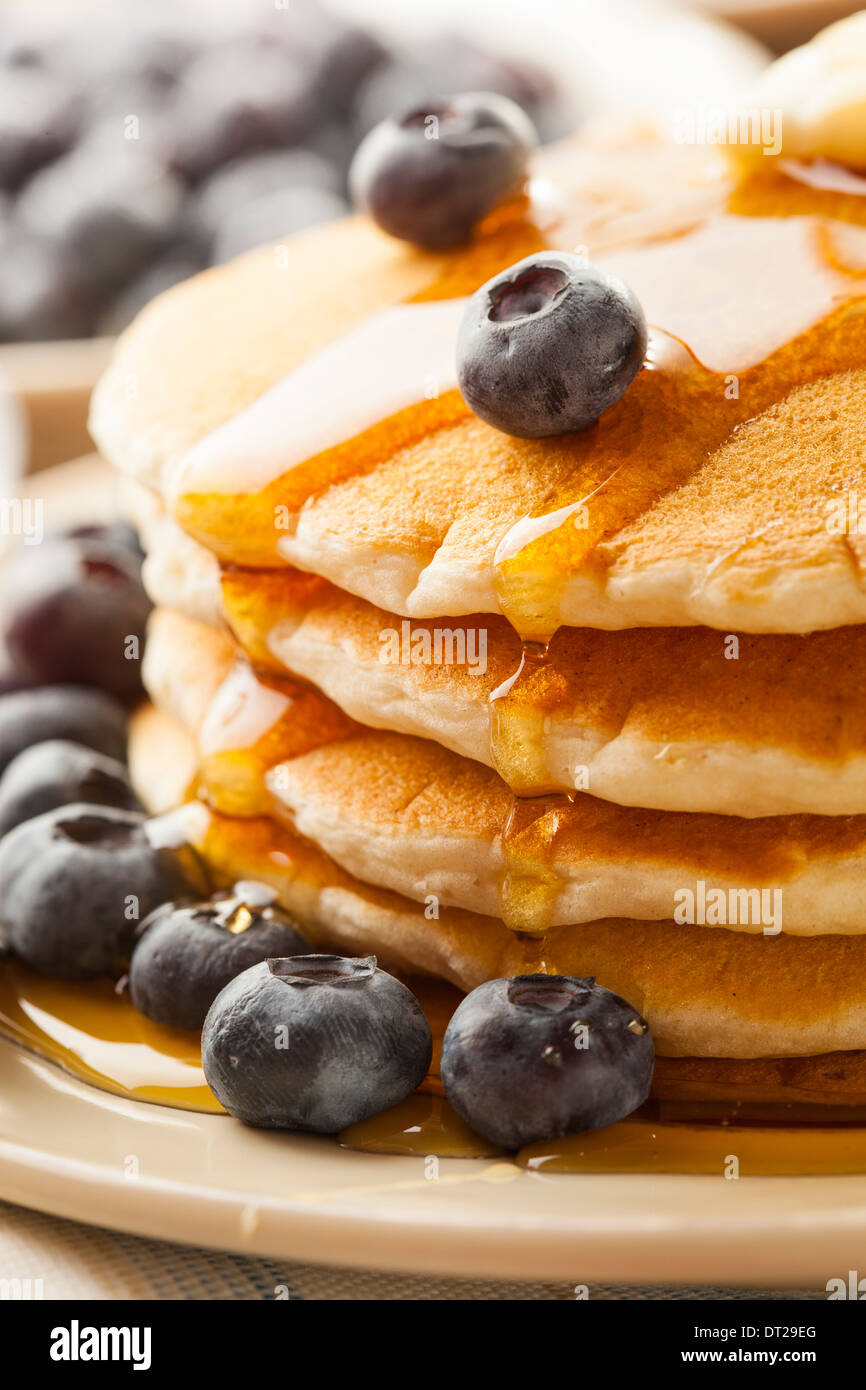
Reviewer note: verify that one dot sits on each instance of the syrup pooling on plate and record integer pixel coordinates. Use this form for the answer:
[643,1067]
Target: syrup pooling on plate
[645,1146]
[90,1028]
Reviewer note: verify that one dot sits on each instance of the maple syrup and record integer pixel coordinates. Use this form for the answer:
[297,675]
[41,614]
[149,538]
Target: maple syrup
[674,414]
[419,1126]
[735,1151]
[91,1029]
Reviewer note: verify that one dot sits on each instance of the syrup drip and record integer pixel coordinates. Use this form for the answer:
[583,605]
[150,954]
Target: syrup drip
[517,732]
[254,721]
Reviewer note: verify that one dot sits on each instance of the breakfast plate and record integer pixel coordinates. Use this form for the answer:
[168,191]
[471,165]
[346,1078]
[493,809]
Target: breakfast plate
[79,1152]
[747,1167]
[82,1152]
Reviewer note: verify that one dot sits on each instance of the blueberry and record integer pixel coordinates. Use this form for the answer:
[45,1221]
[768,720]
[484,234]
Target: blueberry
[187,953]
[275,215]
[548,345]
[244,180]
[314,1043]
[235,99]
[109,204]
[128,49]
[54,773]
[539,1056]
[42,295]
[61,711]
[430,175]
[39,119]
[75,883]
[76,611]
[119,533]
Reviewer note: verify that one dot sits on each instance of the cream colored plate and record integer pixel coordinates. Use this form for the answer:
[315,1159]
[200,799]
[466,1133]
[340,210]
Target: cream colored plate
[69,1149]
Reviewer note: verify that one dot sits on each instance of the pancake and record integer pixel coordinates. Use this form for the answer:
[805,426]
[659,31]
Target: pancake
[409,815]
[704,993]
[717,492]
[671,719]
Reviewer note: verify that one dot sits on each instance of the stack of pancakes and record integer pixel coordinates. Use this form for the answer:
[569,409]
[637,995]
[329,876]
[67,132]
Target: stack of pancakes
[593,704]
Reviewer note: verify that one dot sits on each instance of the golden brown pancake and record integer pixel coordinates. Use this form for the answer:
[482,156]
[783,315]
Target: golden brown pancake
[408,815]
[679,719]
[704,993]
[710,494]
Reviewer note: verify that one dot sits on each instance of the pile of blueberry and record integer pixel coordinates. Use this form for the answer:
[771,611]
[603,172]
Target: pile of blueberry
[158,139]
[89,887]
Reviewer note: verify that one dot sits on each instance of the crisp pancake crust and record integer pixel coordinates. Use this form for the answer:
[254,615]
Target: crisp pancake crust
[409,815]
[705,496]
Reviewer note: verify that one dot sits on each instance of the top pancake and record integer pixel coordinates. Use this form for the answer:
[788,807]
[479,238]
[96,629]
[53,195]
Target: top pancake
[292,415]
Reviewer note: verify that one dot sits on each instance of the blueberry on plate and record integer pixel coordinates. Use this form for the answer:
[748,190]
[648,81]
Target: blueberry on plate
[74,885]
[314,1043]
[430,175]
[548,345]
[57,772]
[187,952]
[61,711]
[539,1056]
[75,610]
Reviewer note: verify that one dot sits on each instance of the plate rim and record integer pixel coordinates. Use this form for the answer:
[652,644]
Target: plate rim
[779,1247]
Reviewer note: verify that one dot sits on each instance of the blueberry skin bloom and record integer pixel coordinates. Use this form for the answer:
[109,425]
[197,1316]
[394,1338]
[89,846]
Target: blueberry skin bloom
[186,954]
[74,884]
[539,1056]
[61,711]
[314,1043]
[548,345]
[57,772]
[429,175]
